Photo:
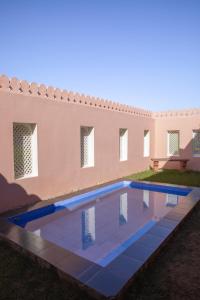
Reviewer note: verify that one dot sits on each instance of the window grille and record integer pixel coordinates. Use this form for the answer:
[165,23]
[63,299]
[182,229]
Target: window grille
[87,146]
[123,144]
[146,143]
[23,135]
[173,143]
[196,143]
[123,209]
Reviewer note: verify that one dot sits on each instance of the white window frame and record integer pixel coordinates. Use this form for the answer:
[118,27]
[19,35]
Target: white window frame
[194,131]
[90,147]
[168,135]
[34,151]
[146,143]
[123,144]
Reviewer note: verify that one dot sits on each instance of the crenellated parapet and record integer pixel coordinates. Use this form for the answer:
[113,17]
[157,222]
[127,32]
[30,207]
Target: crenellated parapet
[14,85]
[176,113]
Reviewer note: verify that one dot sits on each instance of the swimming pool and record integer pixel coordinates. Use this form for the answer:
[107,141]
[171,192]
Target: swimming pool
[102,224]
[106,234]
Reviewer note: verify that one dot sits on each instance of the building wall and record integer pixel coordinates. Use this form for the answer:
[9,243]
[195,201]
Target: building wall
[183,121]
[59,116]
[58,120]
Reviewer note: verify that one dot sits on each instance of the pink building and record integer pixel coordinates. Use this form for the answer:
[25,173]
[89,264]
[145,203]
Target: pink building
[55,142]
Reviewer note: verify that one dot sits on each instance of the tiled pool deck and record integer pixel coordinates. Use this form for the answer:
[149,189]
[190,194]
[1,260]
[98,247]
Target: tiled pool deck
[101,282]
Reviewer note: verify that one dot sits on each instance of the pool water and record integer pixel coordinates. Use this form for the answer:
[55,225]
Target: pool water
[105,225]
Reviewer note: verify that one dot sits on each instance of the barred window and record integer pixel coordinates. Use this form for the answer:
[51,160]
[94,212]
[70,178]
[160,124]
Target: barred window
[123,144]
[196,143]
[25,150]
[87,146]
[173,143]
[146,143]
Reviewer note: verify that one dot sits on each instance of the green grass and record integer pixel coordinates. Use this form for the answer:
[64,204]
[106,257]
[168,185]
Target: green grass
[188,178]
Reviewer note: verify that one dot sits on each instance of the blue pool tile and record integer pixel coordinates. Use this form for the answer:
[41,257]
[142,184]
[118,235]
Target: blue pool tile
[90,272]
[167,223]
[121,248]
[151,239]
[91,195]
[160,231]
[161,188]
[74,265]
[138,251]
[106,283]
[124,267]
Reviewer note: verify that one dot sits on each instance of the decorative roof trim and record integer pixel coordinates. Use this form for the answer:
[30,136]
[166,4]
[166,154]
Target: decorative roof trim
[14,85]
[176,113]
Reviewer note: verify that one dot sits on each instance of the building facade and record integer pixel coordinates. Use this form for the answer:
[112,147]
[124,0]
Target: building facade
[54,142]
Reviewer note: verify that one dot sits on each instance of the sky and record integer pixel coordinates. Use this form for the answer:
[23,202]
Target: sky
[144,53]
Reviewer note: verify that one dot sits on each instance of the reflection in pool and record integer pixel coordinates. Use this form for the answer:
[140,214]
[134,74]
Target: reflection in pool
[88,227]
[103,228]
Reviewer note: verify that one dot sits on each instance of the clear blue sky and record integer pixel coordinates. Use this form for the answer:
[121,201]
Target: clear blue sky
[144,53]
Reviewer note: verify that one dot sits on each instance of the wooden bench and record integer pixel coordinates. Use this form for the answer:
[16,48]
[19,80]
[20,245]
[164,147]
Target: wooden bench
[182,161]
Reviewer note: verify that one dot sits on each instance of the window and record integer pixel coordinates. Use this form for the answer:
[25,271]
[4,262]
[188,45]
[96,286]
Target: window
[146,143]
[87,147]
[25,150]
[173,143]
[88,227]
[196,143]
[123,209]
[123,144]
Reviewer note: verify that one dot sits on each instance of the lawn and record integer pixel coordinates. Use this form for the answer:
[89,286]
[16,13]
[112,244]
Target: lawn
[175,274]
[189,178]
